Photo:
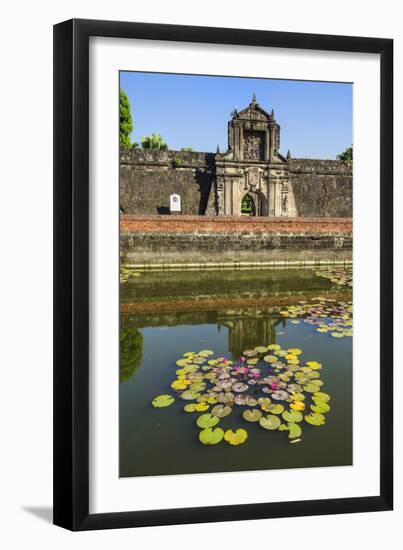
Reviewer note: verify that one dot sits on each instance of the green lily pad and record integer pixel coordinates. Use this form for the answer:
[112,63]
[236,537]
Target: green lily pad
[189,395]
[221,411]
[322,396]
[197,386]
[315,419]
[311,388]
[252,415]
[297,397]
[261,349]
[206,353]
[207,420]
[270,422]
[292,416]
[294,430]
[163,401]
[250,353]
[320,407]
[210,436]
[270,358]
[275,408]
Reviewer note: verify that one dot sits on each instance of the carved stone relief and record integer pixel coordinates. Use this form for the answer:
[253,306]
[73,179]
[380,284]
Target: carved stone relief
[253,146]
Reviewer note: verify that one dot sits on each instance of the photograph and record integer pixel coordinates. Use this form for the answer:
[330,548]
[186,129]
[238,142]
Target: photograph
[236,274]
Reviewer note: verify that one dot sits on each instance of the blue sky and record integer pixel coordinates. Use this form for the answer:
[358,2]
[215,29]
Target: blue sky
[193,111]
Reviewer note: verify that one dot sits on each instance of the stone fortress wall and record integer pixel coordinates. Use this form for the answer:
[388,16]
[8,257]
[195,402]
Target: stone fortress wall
[320,188]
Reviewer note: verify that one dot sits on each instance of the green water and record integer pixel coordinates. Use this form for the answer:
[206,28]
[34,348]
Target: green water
[164,315]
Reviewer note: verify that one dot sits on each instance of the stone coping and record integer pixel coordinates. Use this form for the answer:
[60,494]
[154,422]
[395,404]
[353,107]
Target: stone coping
[185,223]
[273,264]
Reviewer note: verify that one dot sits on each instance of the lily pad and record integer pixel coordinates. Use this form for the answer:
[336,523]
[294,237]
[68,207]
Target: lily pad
[236,437]
[320,407]
[163,401]
[221,411]
[207,420]
[189,395]
[295,351]
[280,395]
[197,386]
[252,415]
[210,436]
[250,353]
[314,365]
[311,388]
[270,422]
[322,396]
[297,397]
[261,349]
[196,407]
[239,387]
[206,353]
[275,408]
[315,419]
[225,397]
[270,358]
[274,347]
[294,430]
[297,406]
[292,416]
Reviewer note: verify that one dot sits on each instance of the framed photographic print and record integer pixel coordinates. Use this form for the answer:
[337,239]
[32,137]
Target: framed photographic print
[222,211]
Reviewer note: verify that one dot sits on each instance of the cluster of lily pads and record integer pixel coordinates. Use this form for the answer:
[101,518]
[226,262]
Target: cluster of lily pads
[342,276]
[269,385]
[126,274]
[325,314]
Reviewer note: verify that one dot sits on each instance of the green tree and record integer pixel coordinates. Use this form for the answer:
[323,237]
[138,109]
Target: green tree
[187,149]
[131,349]
[154,141]
[125,120]
[347,155]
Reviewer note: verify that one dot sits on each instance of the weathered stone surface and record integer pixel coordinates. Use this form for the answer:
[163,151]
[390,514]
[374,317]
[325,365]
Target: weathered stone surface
[213,239]
[216,184]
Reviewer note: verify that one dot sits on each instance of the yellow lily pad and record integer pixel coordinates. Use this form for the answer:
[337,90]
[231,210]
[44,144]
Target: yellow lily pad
[236,437]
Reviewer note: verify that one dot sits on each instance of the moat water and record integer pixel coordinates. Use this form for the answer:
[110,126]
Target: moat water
[293,317]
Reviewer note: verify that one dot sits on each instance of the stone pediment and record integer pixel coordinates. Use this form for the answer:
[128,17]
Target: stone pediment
[254,112]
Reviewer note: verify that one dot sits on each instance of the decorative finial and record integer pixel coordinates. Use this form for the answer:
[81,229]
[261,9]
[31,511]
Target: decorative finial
[272,113]
[254,98]
[218,150]
[234,112]
[288,154]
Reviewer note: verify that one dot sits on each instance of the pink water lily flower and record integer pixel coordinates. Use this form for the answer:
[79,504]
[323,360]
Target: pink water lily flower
[274,386]
[241,370]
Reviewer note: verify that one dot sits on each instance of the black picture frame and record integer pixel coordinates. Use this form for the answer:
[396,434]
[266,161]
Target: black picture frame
[71,273]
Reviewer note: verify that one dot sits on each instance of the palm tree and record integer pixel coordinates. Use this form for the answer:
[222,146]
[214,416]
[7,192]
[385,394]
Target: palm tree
[154,141]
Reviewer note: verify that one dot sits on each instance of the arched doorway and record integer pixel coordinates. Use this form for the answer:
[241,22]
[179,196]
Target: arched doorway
[248,206]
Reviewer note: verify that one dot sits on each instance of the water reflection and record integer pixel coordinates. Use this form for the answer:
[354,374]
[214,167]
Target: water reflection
[165,316]
[224,299]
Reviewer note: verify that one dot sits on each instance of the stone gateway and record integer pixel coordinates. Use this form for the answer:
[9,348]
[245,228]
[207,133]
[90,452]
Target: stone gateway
[251,178]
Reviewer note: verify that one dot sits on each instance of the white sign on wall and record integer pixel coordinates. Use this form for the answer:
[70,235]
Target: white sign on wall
[175,203]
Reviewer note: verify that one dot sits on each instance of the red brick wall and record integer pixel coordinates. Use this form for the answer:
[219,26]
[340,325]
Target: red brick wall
[217,224]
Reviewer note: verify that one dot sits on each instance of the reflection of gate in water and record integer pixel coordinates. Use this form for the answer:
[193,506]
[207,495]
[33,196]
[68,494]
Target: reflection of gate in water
[248,328]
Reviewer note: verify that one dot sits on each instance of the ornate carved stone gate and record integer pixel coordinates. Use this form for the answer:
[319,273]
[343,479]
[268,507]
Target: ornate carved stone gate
[252,164]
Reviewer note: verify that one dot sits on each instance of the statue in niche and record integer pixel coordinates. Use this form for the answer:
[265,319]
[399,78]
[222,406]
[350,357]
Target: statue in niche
[284,204]
[253,146]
